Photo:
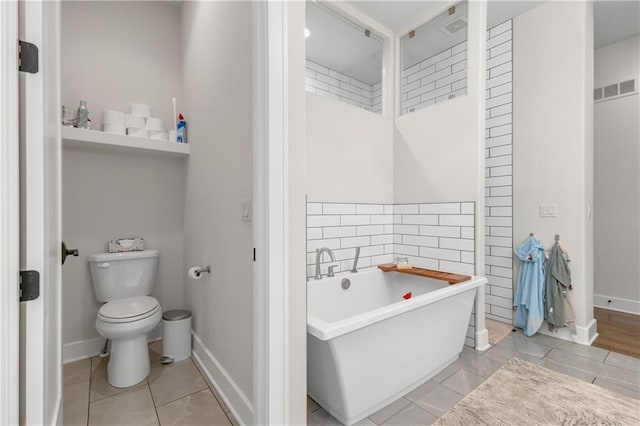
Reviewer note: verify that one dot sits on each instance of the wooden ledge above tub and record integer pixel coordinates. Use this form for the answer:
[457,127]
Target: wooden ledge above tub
[427,273]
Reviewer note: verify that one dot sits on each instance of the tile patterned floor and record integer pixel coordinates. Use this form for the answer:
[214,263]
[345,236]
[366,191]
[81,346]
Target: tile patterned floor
[178,394]
[427,403]
[174,394]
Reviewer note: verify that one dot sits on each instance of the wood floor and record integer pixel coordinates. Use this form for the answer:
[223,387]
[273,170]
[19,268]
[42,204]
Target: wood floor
[618,331]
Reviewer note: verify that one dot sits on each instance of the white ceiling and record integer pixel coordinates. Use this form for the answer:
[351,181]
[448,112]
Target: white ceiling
[615,21]
[402,15]
[430,39]
[398,15]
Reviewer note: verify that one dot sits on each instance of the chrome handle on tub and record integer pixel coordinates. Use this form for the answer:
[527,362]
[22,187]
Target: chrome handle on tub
[103,265]
[330,270]
[354,269]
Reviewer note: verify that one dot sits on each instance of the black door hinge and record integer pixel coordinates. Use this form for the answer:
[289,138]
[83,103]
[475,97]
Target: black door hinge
[29,285]
[254,254]
[27,57]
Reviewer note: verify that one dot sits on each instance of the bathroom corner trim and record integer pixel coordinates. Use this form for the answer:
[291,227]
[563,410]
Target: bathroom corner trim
[585,335]
[217,376]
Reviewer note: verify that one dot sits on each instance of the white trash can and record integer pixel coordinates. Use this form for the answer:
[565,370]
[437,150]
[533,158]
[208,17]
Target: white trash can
[176,331]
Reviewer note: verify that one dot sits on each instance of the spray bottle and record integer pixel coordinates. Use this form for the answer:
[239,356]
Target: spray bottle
[182,129]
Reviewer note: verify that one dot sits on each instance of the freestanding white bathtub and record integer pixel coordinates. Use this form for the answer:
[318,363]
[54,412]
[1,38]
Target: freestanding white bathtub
[368,346]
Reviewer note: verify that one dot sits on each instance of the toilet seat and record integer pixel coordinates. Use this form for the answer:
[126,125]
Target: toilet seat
[128,310]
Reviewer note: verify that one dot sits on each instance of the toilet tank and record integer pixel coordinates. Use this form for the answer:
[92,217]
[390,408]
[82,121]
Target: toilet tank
[122,275]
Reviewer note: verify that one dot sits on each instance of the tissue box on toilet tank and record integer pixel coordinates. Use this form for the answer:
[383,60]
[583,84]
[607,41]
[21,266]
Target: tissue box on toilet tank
[126,244]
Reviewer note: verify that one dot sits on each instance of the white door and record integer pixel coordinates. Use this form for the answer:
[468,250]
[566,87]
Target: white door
[9,214]
[40,221]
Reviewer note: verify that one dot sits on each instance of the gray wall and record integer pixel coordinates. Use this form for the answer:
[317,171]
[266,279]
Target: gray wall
[114,53]
[617,181]
[217,82]
[553,138]
[108,195]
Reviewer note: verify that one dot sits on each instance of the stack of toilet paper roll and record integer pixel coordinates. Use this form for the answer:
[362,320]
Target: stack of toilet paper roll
[137,120]
[155,127]
[113,122]
[138,123]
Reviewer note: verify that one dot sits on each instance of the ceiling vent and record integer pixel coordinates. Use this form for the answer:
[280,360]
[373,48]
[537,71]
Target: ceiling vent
[454,26]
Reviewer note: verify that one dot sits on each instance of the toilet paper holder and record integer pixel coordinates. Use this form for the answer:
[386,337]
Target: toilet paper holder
[201,271]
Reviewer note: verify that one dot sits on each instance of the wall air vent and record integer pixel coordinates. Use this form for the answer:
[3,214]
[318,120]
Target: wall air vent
[611,90]
[628,86]
[597,94]
[614,91]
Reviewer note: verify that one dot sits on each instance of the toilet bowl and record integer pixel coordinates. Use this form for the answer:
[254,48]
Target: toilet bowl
[126,323]
[124,282]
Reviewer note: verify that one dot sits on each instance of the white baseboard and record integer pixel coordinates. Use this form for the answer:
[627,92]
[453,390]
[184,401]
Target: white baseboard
[482,340]
[628,306]
[82,349]
[240,406]
[585,335]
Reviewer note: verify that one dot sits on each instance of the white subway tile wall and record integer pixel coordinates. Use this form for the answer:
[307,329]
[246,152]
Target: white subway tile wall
[436,235]
[432,235]
[332,84]
[499,174]
[436,79]
[343,227]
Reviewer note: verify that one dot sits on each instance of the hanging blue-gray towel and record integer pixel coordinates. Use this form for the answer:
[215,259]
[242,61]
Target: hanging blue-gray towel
[529,297]
[558,281]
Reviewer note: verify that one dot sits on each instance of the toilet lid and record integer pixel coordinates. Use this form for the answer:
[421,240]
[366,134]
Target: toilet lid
[129,308]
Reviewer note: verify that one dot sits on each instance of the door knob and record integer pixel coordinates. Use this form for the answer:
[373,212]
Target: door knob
[68,252]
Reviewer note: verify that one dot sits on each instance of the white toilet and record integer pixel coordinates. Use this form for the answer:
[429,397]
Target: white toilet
[124,281]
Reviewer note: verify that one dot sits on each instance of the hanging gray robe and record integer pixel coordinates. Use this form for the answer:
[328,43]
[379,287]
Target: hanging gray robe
[557,282]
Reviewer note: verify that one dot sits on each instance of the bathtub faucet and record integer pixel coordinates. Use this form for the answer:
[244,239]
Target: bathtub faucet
[355,260]
[319,257]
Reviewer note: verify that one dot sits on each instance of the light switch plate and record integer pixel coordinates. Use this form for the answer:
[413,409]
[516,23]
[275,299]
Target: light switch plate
[246,210]
[548,210]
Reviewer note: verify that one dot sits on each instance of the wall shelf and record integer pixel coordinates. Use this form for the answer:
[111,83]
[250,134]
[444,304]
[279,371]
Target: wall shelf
[97,140]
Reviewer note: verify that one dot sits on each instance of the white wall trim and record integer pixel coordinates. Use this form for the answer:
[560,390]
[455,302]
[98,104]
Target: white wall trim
[228,389]
[260,197]
[83,349]
[585,335]
[477,37]
[9,215]
[482,337]
[619,304]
